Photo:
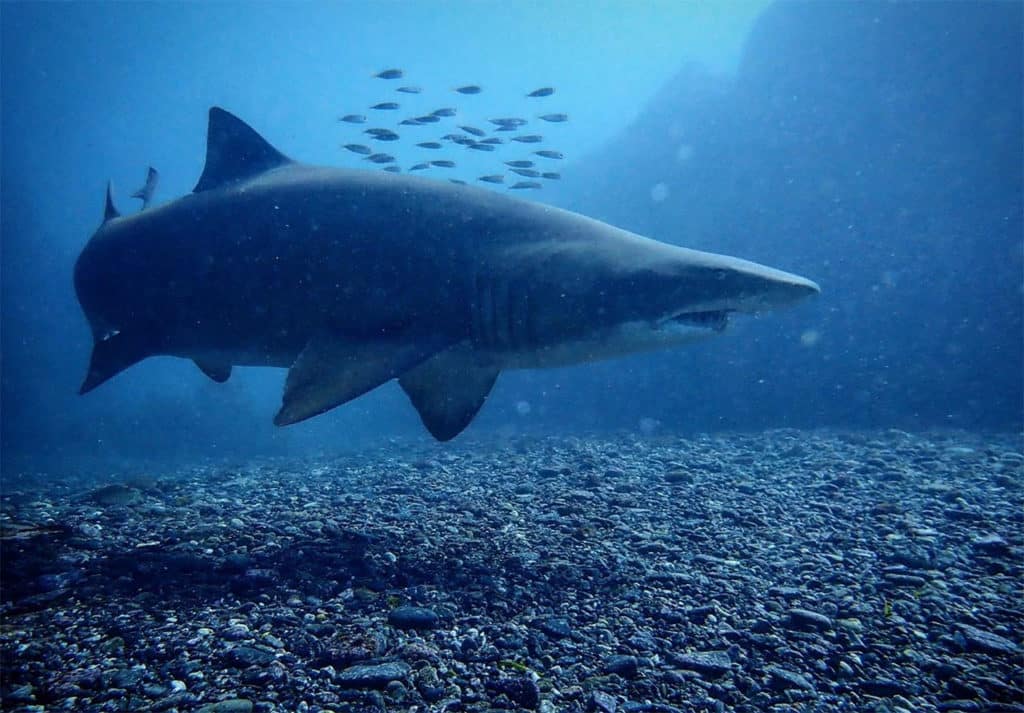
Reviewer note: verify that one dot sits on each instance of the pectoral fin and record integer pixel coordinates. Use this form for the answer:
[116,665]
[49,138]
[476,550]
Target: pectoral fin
[111,355]
[331,371]
[448,390]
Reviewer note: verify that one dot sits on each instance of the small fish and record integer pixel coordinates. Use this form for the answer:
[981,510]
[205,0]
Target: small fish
[419,167]
[353,119]
[510,121]
[554,118]
[473,130]
[410,90]
[389,74]
[443,164]
[380,158]
[525,184]
[495,178]
[462,140]
[496,140]
[519,164]
[385,106]
[374,132]
[528,172]
[546,153]
[551,175]
[429,145]
[447,111]
[480,146]
[507,127]
[529,139]
[392,169]
[457,182]
[410,122]
[390,136]
[428,119]
[359,149]
[469,89]
[146,192]
[542,92]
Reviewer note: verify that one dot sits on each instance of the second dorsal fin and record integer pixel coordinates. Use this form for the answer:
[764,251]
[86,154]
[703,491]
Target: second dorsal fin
[234,151]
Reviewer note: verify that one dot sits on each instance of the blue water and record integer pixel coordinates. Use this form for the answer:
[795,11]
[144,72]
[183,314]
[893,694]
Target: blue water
[875,148]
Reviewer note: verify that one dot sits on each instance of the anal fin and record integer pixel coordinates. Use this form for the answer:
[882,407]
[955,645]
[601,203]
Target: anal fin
[217,371]
[448,390]
[332,370]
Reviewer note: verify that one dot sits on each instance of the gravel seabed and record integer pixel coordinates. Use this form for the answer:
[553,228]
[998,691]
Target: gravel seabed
[780,571]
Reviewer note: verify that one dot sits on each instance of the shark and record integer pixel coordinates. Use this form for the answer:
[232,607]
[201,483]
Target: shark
[353,278]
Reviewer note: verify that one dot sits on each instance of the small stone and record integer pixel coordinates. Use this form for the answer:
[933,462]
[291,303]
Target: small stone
[905,580]
[805,620]
[231,705]
[886,688]
[601,702]
[413,618]
[625,666]
[522,691]
[679,476]
[555,627]
[986,642]
[245,656]
[707,663]
[992,545]
[376,676]
[781,679]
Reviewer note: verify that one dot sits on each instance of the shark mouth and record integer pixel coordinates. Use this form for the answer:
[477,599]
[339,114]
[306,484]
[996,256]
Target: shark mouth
[717,320]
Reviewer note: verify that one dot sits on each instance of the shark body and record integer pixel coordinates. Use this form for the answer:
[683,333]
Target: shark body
[352,278]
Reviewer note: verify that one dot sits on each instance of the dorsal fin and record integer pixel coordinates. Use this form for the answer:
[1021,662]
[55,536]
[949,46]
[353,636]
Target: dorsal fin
[234,151]
[109,211]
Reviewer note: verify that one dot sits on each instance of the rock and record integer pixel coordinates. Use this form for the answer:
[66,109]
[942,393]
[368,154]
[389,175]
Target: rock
[376,676]
[992,545]
[625,666]
[413,618]
[782,679]
[522,691]
[245,656]
[128,677]
[886,688]
[977,640]
[231,705]
[710,664]
[679,476]
[905,580]
[601,702]
[806,620]
[555,627]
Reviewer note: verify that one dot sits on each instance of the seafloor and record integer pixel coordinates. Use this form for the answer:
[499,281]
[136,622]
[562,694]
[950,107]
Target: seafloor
[783,571]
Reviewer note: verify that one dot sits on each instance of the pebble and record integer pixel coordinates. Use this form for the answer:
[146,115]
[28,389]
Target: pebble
[372,675]
[710,664]
[413,618]
[806,620]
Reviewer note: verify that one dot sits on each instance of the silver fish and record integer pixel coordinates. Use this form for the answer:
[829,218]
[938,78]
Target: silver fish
[410,122]
[529,139]
[148,188]
[528,172]
[525,184]
[551,175]
[519,164]
[429,145]
[547,153]
[382,134]
[359,149]
[410,90]
[380,158]
[392,169]
[493,140]
[428,119]
[542,92]
[509,121]
[389,74]
[494,178]
[457,182]
[443,164]
[353,118]
[447,111]
[480,146]
[473,130]
[419,167]
[385,106]
[469,89]
[554,118]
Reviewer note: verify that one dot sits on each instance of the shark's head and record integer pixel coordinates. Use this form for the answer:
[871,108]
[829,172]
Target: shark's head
[632,294]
